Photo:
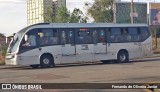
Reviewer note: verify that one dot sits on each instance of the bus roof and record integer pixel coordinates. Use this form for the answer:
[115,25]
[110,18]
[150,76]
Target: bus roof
[76,25]
[79,25]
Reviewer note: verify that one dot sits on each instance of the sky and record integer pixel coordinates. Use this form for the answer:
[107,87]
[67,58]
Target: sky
[13,13]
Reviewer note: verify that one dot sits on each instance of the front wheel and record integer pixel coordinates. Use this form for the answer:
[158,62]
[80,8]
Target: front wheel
[46,61]
[122,57]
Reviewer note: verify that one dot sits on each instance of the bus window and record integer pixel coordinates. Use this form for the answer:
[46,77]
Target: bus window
[54,38]
[63,37]
[144,32]
[70,37]
[102,36]
[126,35]
[115,35]
[31,39]
[135,37]
[47,37]
[84,37]
[95,36]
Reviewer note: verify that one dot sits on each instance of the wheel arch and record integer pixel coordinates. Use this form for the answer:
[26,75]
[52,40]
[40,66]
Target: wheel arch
[124,51]
[48,54]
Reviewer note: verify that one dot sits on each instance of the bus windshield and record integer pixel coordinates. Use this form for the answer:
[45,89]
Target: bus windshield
[14,43]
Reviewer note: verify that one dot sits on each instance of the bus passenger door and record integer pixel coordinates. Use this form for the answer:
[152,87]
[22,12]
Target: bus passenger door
[100,48]
[67,46]
[84,45]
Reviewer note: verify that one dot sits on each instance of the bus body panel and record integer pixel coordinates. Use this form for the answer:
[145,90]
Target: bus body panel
[68,54]
[11,59]
[29,57]
[147,47]
[79,52]
[85,52]
[100,51]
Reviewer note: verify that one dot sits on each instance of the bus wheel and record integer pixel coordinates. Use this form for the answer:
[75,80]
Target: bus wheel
[122,57]
[46,61]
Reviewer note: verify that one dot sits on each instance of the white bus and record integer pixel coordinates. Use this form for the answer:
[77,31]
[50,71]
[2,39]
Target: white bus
[48,44]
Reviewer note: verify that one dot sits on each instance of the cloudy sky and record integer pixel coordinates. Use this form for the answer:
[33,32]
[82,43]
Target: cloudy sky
[13,15]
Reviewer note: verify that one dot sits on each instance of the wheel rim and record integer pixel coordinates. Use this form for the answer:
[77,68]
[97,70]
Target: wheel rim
[46,61]
[122,57]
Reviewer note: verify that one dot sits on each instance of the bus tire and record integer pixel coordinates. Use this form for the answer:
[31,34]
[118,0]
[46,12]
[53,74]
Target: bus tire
[46,61]
[122,56]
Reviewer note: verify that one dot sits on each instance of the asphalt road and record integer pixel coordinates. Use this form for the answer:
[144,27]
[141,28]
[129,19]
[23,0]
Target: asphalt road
[137,71]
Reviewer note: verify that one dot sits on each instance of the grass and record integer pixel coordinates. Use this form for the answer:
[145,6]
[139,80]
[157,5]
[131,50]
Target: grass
[2,63]
[2,60]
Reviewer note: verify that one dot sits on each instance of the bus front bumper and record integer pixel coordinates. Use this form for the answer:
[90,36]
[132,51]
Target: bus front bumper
[10,60]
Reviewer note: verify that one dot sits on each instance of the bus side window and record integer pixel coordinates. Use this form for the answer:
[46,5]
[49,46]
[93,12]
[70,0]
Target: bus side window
[44,36]
[31,39]
[108,35]
[70,36]
[126,35]
[102,36]
[63,37]
[115,35]
[144,32]
[84,36]
[95,36]
[134,34]
[54,38]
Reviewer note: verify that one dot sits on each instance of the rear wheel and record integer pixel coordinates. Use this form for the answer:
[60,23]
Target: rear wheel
[46,61]
[122,57]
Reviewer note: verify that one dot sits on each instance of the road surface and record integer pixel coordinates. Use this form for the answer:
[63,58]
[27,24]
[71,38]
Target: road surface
[137,71]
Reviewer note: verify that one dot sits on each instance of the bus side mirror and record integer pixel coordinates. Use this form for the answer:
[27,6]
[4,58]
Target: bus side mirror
[26,37]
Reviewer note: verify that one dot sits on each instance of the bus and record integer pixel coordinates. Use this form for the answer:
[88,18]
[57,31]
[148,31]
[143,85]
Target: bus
[48,44]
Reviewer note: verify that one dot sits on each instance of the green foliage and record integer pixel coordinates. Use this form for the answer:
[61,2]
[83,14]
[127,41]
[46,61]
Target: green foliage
[77,16]
[2,35]
[157,29]
[101,10]
[3,50]
[49,16]
[64,16]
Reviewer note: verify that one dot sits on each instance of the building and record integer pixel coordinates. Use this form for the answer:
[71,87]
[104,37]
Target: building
[37,10]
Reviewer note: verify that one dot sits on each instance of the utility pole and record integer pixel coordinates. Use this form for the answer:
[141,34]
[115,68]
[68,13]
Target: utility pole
[132,12]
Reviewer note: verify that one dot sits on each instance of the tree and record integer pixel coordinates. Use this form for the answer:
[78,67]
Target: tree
[63,15]
[2,35]
[101,10]
[77,16]
[49,15]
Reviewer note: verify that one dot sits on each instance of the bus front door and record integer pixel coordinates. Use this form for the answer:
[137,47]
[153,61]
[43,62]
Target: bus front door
[68,46]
